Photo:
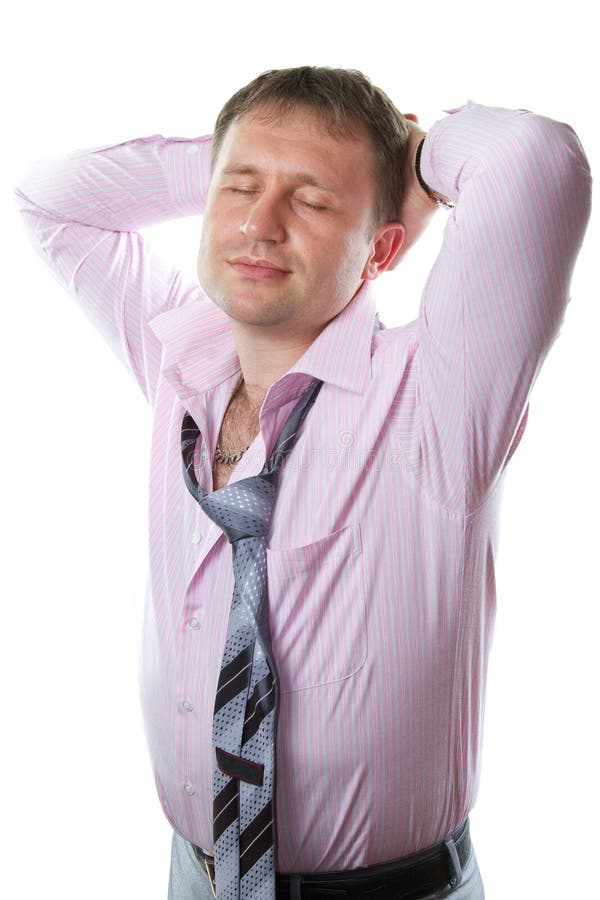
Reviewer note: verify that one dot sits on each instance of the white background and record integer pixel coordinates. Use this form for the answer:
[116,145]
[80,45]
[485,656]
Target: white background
[79,814]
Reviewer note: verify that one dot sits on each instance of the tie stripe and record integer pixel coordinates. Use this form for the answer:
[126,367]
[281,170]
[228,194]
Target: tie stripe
[238,663]
[259,705]
[234,687]
[225,808]
[256,839]
[234,678]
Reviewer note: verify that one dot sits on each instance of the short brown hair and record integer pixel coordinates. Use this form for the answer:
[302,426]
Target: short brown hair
[343,99]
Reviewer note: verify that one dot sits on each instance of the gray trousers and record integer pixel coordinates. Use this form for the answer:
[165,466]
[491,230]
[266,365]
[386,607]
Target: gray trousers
[188,879]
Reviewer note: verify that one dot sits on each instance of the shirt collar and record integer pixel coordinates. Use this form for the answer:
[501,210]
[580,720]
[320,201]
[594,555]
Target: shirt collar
[199,350]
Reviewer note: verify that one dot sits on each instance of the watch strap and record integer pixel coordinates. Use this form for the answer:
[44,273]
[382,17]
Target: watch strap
[439,199]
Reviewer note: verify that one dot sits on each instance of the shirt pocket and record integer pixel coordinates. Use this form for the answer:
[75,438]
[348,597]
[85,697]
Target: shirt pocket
[317,610]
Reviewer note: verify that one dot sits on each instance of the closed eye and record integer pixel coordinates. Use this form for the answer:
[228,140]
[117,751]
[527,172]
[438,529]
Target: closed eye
[249,191]
[312,205]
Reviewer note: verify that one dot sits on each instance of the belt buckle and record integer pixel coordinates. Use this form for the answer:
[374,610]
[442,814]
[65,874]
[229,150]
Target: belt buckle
[209,863]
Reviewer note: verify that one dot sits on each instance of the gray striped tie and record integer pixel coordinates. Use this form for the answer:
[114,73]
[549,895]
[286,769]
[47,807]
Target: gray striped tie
[246,703]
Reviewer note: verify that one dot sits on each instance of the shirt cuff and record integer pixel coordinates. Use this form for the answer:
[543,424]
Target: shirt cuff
[188,173]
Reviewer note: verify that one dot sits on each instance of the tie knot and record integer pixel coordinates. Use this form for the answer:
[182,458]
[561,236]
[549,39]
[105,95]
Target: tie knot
[243,509]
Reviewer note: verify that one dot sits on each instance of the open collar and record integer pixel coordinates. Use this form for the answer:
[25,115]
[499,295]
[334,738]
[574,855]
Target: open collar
[199,351]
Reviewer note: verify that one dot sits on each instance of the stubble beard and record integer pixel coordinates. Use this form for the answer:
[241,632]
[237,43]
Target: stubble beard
[250,308]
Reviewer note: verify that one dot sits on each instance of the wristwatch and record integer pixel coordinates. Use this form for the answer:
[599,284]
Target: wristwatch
[439,199]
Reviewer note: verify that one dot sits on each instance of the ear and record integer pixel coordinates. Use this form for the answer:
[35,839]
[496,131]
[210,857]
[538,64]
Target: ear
[386,243]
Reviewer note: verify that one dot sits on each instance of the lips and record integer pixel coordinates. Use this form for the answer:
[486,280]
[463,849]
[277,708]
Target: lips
[257,268]
[258,263]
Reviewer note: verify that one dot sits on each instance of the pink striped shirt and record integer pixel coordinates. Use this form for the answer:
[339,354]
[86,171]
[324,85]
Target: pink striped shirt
[385,533]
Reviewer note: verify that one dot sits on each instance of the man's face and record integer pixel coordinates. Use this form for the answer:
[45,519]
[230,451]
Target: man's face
[287,229]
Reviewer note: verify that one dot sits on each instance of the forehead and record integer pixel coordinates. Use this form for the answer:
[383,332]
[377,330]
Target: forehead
[296,141]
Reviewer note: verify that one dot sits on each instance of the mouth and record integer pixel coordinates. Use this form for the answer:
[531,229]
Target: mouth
[258,269]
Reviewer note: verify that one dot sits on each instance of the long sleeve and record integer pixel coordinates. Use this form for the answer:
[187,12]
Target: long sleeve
[81,214]
[496,296]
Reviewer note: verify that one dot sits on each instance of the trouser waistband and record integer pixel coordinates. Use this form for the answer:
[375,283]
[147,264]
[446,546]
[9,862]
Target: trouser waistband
[410,877]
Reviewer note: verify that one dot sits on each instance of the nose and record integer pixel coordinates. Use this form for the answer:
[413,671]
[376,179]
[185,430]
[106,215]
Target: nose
[264,220]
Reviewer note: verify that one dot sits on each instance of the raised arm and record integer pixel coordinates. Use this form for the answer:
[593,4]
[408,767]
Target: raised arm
[81,214]
[496,296]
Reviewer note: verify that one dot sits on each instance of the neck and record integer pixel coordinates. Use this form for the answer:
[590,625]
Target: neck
[266,353]
[263,360]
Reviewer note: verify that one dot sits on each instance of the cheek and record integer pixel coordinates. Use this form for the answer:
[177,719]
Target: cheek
[204,243]
[352,255]
[218,219]
[206,250]
[214,234]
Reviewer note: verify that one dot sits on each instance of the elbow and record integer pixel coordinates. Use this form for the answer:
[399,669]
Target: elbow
[557,154]
[550,164]
[23,202]
[20,198]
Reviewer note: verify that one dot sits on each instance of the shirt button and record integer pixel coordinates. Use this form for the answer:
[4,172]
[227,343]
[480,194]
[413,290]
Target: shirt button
[196,537]
[193,148]
[189,788]
[194,623]
[187,705]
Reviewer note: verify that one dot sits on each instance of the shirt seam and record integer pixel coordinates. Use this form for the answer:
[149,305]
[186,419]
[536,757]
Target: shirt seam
[416,480]
[125,340]
[457,514]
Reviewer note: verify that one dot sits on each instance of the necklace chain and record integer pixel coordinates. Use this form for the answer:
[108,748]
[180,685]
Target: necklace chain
[229,459]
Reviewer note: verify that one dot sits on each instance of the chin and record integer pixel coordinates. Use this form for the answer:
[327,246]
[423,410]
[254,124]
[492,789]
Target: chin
[260,303]
[253,310]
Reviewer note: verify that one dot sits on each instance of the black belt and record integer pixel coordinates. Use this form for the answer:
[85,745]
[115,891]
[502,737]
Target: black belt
[409,878]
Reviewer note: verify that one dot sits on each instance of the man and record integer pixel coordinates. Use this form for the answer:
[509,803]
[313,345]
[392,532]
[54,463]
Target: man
[380,453]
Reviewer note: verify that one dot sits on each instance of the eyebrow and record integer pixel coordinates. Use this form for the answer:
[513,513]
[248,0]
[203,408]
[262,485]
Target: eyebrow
[299,177]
